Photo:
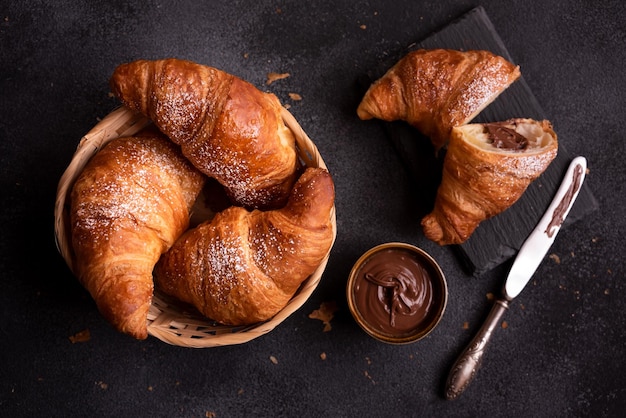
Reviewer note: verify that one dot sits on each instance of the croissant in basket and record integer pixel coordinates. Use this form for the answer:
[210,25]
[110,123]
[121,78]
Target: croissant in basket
[436,90]
[243,267]
[227,128]
[486,169]
[128,206]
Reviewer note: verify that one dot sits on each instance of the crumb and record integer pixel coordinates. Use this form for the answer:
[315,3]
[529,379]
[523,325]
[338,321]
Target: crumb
[240,392]
[279,10]
[271,77]
[273,359]
[80,337]
[465,325]
[368,360]
[323,356]
[210,414]
[555,258]
[111,95]
[150,388]
[295,96]
[102,385]
[594,239]
[609,271]
[246,55]
[606,291]
[325,314]
[363,27]
[587,171]
[366,374]
[505,325]
[287,106]
[489,296]
[522,306]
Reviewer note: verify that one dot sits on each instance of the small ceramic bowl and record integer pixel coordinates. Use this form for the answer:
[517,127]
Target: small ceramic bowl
[397,293]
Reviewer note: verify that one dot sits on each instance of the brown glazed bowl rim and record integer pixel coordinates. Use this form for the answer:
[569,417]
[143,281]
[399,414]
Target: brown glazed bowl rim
[438,277]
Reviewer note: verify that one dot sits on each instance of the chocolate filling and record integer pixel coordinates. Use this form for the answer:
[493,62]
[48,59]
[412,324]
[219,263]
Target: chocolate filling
[502,136]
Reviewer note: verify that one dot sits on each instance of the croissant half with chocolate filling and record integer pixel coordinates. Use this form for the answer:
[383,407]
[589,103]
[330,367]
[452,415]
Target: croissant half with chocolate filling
[436,90]
[486,169]
[243,267]
[227,128]
[128,206]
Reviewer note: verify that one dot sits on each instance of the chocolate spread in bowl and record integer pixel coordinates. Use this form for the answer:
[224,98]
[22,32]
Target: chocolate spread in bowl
[397,293]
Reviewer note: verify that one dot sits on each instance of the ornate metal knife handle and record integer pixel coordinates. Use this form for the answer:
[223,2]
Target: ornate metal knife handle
[468,363]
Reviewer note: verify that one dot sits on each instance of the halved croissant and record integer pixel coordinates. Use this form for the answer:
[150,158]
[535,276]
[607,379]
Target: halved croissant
[486,169]
[243,267]
[128,206]
[227,128]
[436,90]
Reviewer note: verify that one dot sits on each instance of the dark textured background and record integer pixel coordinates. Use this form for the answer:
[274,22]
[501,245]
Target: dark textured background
[562,353]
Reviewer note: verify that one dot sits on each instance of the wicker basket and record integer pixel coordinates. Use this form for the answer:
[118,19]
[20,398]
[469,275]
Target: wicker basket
[169,320]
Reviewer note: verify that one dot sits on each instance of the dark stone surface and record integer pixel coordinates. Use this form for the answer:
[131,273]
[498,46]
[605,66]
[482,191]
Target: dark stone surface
[562,352]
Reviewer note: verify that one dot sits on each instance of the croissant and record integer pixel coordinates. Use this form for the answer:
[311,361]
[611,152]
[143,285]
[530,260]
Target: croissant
[227,128]
[243,267]
[128,206]
[486,169]
[436,90]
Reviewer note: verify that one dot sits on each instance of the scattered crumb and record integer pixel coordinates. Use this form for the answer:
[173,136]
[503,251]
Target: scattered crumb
[273,359]
[102,385]
[210,414]
[279,10]
[490,296]
[246,55]
[368,360]
[271,77]
[80,337]
[150,388]
[363,27]
[522,306]
[587,171]
[240,392]
[606,291]
[287,106]
[505,325]
[366,374]
[325,314]
[295,96]
[555,258]
[323,356]
[111,95]
[465,325]
[595,239]
[609,271]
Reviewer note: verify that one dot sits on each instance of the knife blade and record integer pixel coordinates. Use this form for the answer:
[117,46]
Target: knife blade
[528,259]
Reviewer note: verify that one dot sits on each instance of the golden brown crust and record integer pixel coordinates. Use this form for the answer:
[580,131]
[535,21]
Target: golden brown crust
[243,267]
[226,127]
[128,206]
[436,90]
[479,182]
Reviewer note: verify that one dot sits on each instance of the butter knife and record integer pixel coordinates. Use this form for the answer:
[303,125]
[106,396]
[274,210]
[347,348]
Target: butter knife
[526,263]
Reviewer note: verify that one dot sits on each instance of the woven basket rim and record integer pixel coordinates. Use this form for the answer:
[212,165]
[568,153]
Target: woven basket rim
[171,321]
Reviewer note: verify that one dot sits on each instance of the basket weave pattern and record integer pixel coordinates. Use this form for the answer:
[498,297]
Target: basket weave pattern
[168,319]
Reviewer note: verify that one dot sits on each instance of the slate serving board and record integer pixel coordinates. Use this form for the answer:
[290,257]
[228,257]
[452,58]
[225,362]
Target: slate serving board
[498,239]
